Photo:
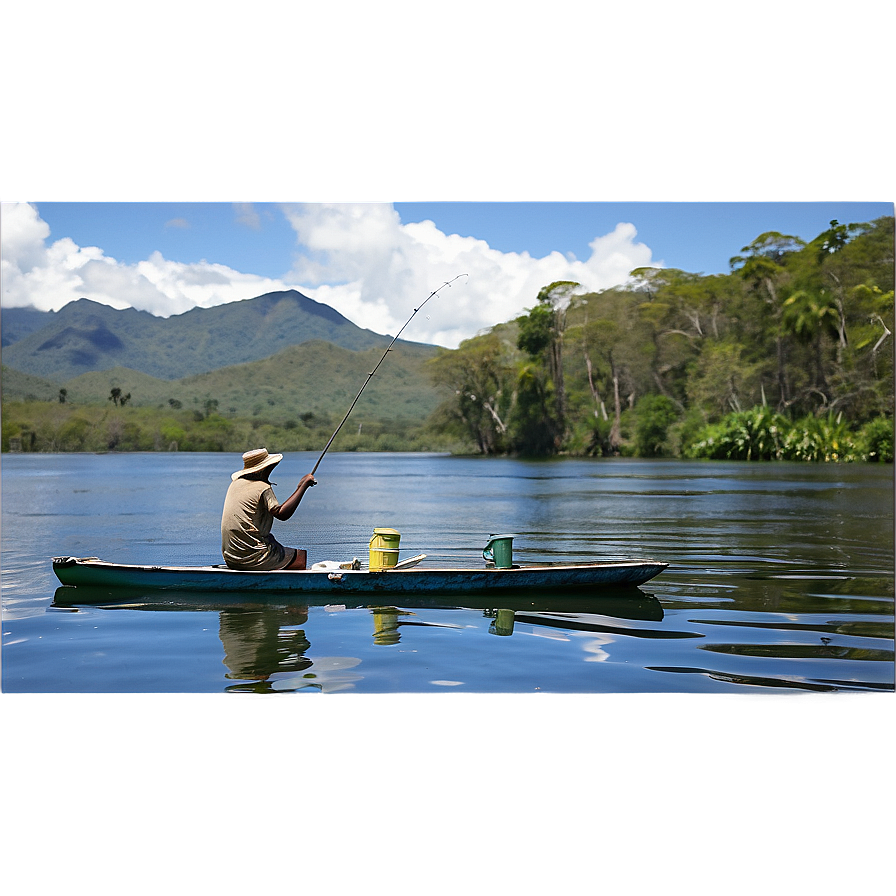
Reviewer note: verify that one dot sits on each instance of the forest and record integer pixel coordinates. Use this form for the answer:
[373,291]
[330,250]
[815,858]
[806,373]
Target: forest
[789,356]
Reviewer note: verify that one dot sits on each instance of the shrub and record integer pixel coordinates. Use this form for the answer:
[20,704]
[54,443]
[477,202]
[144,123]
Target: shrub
[757,434]
[876,440]
[820,439]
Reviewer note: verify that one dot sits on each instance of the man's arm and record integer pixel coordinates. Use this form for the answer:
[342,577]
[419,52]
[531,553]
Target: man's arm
[285,510]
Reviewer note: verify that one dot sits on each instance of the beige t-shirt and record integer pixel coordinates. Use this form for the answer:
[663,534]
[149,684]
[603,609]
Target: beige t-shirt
[246,540]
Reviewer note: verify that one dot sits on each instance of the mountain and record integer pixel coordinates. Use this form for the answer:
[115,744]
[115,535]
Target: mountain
[17,323]
[86,336]
[282,387]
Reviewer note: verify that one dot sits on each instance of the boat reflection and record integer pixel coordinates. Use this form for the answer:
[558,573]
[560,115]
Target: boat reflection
[266,648]
[625,602]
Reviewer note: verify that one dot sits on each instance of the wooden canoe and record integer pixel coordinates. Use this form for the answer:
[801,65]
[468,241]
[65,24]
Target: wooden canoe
[95,573]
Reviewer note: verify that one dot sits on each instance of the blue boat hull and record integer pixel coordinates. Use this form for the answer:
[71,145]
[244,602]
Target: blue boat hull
[94,573]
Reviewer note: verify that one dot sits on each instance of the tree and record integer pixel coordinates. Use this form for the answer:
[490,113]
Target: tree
[763,269]
[811,318]
[531,432]
[618,350]
[115,395]
[826,244]
[479,376]
[541,337]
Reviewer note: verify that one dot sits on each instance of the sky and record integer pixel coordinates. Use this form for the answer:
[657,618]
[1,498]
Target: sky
[375,262]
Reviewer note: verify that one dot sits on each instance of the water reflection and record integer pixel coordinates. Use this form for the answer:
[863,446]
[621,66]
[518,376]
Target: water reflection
[261,643]
[386,622]
[267,649]
[689,641]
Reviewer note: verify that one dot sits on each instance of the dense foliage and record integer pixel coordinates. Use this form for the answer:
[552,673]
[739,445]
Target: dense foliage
[61,427]
[789,356]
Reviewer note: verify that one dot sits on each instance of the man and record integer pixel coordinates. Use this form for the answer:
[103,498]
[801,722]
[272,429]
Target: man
[250,509]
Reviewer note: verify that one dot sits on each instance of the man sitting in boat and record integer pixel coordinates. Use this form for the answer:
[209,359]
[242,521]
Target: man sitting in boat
[250,509]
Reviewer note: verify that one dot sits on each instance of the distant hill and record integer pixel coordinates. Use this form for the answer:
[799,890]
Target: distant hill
[316,378]
[86,336]
[18,386]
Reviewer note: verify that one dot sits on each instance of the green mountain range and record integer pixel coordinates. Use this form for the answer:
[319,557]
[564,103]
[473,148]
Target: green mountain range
[280,355]
[85,336]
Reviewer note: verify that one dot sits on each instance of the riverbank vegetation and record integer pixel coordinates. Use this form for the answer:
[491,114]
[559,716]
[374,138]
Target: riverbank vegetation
[787,357]
[61,427]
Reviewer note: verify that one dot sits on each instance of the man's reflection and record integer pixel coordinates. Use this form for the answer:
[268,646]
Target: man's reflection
[261,642]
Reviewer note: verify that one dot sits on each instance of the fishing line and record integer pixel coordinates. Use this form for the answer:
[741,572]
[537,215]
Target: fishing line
[372,372]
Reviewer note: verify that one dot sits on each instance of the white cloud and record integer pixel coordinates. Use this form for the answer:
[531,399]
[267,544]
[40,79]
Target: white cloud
[50,275]
[358,258]
[375,270]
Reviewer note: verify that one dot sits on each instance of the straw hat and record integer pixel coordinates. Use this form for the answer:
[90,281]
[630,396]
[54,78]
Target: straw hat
[255,460]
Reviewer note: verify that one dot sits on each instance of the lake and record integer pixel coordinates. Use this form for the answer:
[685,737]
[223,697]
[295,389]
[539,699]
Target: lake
[779,592]
[780,577]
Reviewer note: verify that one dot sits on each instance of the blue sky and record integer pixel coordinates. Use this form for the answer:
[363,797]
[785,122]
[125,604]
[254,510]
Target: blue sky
[658,103]
[374,262]
[696,237]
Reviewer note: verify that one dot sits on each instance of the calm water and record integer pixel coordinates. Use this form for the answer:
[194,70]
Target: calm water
[727,728]
[781,577]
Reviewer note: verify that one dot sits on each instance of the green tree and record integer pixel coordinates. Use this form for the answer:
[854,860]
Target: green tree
[764,271]
[479,378]
[532,431]
[541,337]
[618,352]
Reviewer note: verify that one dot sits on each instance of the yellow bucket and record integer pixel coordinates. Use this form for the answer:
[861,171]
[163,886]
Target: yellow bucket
[384,549]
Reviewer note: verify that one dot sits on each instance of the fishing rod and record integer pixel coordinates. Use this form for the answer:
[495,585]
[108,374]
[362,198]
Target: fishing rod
[372,372]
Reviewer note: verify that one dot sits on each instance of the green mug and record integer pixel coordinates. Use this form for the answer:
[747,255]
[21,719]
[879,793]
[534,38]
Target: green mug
[499,551]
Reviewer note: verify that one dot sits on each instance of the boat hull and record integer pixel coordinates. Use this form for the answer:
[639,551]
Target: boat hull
[96,573]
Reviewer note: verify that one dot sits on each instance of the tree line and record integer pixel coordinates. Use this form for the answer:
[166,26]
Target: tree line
[788,356]
[43,426]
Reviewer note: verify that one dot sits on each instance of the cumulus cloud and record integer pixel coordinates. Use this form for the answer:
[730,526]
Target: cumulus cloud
[375,270]
[360,259]
[49,275]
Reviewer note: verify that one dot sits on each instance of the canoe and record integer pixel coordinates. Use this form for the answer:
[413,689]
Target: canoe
[96,573]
